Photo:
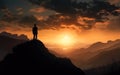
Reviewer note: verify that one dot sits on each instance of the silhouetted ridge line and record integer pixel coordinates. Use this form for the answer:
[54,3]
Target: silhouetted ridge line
[33,57]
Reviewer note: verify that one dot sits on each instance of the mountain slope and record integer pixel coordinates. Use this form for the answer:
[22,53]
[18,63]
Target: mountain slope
[97,54]
[6,45]
[33,57]
[111,69]
[105,58]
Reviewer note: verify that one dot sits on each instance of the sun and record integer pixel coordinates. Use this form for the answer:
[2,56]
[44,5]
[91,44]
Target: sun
[63,39]
[66,40]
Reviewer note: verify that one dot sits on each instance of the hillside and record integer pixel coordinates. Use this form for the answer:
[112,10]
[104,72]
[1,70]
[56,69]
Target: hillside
[97,54]
[111,69]
[33,57]
[7,43]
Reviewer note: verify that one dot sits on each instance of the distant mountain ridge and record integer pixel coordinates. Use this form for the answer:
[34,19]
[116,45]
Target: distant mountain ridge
[8,41]
[33,57]
[99,45]
[111,69]
[108,54]
[97,54]
[15,36]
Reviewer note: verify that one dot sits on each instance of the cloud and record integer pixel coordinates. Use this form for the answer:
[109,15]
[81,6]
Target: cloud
[17,21]
[101,25]
[4,25]
[38,10]
[20,11]
[2,4]
[114,1]
[41,17]
[71,10]
[7,13]
[114,24]
[53,14]
[8,17]
[28,20]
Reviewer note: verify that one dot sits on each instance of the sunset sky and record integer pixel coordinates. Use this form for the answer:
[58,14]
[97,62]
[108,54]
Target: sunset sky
[65,23]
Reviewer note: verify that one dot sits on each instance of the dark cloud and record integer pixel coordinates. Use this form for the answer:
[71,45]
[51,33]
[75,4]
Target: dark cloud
[7,14]
[83,14]
[72,9]
[114,23]
[2,4]
[28,20]
[22,21]
[10,20]
[117,2]
[62,6]
[17,17]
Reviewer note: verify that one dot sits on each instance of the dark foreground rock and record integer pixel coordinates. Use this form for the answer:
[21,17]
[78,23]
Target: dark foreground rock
[34,58]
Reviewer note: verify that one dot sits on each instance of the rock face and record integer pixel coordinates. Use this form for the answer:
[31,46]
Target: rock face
[33,57]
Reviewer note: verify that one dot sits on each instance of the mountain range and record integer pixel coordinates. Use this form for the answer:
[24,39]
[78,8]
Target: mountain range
[97,55]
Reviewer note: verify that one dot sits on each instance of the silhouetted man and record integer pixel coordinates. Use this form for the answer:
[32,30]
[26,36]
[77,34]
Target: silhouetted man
[35,31]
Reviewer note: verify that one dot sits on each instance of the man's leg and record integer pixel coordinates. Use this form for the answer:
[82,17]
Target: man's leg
[34,36]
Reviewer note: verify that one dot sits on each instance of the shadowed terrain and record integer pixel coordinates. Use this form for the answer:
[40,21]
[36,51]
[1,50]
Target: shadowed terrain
[8,41]
[33,57]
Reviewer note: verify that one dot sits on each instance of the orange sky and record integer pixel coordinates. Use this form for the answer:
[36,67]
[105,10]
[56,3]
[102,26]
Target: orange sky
[70,38]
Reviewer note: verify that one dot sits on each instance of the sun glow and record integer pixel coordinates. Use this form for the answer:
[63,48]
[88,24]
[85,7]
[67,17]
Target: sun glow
[66,40]
[63,39]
